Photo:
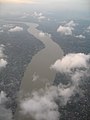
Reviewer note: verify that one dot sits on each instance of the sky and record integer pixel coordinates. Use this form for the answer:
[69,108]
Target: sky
[53,3]
[63,6]
[18,1]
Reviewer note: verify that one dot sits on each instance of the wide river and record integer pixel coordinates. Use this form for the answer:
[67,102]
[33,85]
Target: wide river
[38,73]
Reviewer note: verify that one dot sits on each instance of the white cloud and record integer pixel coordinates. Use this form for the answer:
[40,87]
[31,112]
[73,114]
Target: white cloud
[35,77]
[37,14]
[77,76]
[70,62]
[3,62]
[40,16]
[64,30]
[8,26]
[76,66]
[65,92]
[80,36]
[25,15]
[42,34]
[16,29]
[67,29]
[3,97]
[5,27]
[5,114]
[41,105]
[1,51]
[20,1]
[71,24]
[88,29]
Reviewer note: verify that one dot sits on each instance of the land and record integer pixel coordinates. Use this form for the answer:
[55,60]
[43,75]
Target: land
[20,47]
[79,107]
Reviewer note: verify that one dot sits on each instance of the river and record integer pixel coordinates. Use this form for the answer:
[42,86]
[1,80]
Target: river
[38,73]
[40,63]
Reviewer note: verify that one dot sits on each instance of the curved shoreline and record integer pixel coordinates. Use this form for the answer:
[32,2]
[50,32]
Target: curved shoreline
[38,72]
[39,67]
[40,63]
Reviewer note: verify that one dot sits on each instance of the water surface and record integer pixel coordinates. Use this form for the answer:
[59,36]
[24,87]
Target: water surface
[38,73]
[39,66]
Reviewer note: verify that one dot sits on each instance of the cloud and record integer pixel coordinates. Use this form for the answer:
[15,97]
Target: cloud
[3,97]
[88,29]
[19,1]
[65,93]
[25,15]
[1,51]
[76,67]
[42,104]
[42,34]
[35,77]
[5,114]
[71,24]
[40,16]
[67,29]
[8,26]
[80,36]
[41,107]
[3,61]
[70,62]
[64,30]
[16,29]
[37,14]
[5,27]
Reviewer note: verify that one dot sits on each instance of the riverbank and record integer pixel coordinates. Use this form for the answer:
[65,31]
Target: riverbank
[19,47]
[41,62]
[39,66]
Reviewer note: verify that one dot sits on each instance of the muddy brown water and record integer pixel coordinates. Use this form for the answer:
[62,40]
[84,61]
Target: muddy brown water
[38,73]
